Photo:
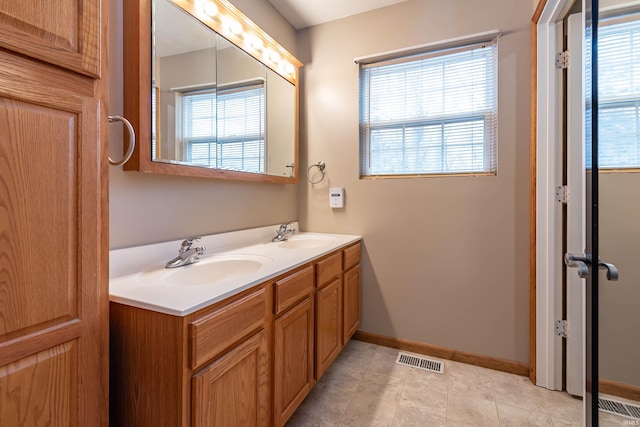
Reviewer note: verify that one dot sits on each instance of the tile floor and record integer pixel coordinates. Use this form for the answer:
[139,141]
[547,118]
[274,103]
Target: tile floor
[365,387]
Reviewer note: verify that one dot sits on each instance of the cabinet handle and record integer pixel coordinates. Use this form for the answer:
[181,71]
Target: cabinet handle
[132,140]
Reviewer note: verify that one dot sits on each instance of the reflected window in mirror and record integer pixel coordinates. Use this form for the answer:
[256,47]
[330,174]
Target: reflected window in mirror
[223,128]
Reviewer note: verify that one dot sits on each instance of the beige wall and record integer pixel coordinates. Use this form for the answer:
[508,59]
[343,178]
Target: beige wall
[445,260]
[619,236]
[148,208]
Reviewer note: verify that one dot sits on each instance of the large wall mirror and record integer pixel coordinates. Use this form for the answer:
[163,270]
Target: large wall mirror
[209,93]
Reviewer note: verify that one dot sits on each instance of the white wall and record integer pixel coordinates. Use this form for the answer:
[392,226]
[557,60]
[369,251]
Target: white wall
[445,260]
[152,208]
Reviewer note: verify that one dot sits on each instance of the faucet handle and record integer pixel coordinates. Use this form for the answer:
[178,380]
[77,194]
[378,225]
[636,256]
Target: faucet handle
[188,243]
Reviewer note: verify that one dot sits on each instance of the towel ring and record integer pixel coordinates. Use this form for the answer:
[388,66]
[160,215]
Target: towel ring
[132,140]
[321,166]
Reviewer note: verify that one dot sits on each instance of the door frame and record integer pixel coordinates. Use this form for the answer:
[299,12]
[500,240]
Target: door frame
[545,228]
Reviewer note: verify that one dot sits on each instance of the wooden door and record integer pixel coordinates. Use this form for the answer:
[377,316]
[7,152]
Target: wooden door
[234,390]
[351,303]
[328,325]
[53,214]
[293,359]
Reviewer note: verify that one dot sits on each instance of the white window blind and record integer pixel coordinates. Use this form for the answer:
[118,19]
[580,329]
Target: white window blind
[431,113]
[618,94]
[224,129]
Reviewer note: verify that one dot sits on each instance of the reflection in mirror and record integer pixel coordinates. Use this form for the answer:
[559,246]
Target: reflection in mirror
[173,82]
[214,105]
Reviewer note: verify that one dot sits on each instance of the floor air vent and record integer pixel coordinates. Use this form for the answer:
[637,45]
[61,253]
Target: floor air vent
[619,408]
[420,362]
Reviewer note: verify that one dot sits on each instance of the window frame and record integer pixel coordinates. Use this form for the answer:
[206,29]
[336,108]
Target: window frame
[441,53]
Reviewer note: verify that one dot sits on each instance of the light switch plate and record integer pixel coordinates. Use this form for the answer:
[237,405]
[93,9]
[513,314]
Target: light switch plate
[336,197]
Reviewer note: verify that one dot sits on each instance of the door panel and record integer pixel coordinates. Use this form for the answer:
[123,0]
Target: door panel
[293,359]
[352,303]
[25,387]
[328,325]
[239,373]
[50,256]
[40,190]
[61,32]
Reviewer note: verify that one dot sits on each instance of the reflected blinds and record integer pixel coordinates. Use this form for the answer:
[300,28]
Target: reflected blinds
[431,113]
[224,129]
[619,94]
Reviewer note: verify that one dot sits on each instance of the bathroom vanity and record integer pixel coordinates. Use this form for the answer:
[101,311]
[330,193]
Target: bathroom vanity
[248,349]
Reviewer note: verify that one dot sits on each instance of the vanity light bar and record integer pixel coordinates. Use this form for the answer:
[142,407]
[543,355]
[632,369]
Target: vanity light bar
[228,21]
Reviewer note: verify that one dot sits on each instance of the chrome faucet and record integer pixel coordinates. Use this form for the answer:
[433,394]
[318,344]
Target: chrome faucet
[187,254]
[284,232]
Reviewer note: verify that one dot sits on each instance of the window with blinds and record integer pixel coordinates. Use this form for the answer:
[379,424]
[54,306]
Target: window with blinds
[430,113]
[618,94]
[224,129]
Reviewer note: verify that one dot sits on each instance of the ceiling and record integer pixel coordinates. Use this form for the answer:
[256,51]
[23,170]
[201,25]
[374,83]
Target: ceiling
[307,13]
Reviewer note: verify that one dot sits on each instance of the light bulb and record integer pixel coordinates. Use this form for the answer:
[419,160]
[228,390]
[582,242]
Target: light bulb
[210,9]
[289,68]
[235,27]
[255,43]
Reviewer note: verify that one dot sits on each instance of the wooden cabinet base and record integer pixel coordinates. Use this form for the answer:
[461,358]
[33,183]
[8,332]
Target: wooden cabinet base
[249,360]
[293,359]
[233,391]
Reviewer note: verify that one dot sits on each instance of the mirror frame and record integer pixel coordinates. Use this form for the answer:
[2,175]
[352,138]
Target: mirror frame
[137,90]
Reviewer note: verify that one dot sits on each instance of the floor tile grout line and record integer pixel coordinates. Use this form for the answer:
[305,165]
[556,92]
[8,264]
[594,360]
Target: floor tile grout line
[395,413]
[495,398]
[353,395]
[446,408]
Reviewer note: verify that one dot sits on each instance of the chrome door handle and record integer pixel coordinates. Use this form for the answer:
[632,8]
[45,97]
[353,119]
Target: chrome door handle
[612,271]
[582,263]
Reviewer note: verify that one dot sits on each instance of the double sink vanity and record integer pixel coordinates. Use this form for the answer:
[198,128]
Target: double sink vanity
[238,338]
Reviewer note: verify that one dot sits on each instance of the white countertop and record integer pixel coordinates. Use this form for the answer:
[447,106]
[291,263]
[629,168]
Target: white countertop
[137,276]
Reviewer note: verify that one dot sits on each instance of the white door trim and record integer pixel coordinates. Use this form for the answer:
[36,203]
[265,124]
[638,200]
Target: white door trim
[548,223]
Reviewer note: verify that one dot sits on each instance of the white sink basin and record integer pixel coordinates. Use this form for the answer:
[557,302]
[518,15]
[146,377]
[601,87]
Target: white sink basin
[213,270]
[306,242]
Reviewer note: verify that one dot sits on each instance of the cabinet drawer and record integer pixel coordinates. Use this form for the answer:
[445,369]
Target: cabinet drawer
[212,334]
[293,288]
[329,268]
[351,256]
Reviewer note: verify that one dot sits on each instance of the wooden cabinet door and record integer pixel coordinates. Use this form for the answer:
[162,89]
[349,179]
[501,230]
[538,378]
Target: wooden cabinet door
[351,303]
[53,299]
[62,32]
[235,389]
[293,359]
[328,325]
